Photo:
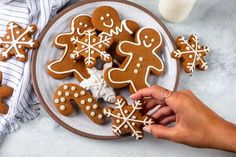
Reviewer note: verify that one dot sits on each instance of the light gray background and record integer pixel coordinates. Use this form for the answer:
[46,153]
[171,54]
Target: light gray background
[214,22]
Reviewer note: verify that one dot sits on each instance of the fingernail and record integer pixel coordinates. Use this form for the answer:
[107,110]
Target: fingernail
[147,129]
[132,96]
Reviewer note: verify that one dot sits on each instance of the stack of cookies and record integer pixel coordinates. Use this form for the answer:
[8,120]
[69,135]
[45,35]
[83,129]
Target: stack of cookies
[104,53]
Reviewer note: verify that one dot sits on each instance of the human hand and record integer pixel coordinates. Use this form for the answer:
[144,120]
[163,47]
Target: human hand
[195,124]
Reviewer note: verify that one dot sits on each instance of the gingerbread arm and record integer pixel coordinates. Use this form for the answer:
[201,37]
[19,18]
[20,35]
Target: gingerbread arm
[124,48]
[133,26]
[157,66]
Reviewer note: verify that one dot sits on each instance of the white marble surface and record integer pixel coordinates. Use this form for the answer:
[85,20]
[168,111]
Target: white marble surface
[214,22]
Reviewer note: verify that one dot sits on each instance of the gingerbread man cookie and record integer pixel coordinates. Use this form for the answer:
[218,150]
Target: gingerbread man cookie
[5,91]
[128,119]
[98,86]
[107,20]
[16,41]
[65,66]
[191,53]
[141,59]
[92,47]
[85,101]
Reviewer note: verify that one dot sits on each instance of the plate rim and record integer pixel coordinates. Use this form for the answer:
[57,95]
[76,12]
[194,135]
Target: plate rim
[35,53]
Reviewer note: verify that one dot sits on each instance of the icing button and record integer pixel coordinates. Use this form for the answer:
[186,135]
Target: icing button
[63,99]
[59,93]
[117,121]
[62,108]
[133,117]
[140,59]
[65,87]
[100,116]
[56,101]
[126,126]
[82,102]
[135,71]
[67,93]
[118,114]
[190,56]
[138,65]
[187,48]
[95,106]
[133,124]
[73,88]
[126,111]
[90,100]
[82,92]
[92,114]
[87,108]
[76,95]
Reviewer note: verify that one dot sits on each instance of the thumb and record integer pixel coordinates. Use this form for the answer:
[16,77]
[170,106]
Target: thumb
[160,131]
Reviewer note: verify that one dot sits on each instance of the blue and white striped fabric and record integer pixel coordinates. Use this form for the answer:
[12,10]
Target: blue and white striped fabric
[22,104]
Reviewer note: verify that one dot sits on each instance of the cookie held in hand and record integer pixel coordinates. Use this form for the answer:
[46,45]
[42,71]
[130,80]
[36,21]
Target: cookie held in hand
[128,119]
[191,53]
[16,42]
[67,93]
[5,91]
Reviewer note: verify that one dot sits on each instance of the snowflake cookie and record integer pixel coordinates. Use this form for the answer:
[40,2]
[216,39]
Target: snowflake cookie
[141,59]
[97,85]
[5,91]
[191,53]
[128,118]
[67,93]
[92,47]
[16,41]
[65,66]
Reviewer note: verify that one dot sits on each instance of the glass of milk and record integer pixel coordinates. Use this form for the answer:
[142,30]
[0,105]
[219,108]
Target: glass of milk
[175,10]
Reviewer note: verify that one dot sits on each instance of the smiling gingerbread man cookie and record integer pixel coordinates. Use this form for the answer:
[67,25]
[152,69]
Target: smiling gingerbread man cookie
[65,66]
[106,19]
[141,59]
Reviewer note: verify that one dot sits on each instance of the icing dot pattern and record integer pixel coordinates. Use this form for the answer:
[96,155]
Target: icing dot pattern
[67,92]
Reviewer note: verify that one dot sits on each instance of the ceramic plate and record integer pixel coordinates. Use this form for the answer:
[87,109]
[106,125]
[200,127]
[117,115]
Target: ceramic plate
[45,85]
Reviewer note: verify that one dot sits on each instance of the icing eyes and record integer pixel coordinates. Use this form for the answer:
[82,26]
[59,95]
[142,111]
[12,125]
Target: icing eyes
[107,14]
[152,40]
[85,25]
[102,18]
[145,36]
[81,23]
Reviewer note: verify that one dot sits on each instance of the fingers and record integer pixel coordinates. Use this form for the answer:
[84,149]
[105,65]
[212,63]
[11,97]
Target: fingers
[168,120]
[154,92]
[160,131]
[163,111]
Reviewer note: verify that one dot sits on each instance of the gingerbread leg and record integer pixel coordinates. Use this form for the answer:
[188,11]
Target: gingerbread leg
[85,101]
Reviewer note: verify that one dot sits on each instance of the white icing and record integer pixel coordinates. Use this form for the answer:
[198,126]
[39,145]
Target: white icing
[15,41]
[128,120]
[117,121]
[92,114]
[92,48]
[135,71]
[95,106]
[109,25]
[59,93]
[87,108]
[63,99]
[126,111]
[130,54]
[138,65]
[97,85]
[90,100]
[65,87]
[100,116]
[62,108]
[82,102]
[118,30]
[67,93]
[73,88]
[82,92]
[76,95]
[56,101]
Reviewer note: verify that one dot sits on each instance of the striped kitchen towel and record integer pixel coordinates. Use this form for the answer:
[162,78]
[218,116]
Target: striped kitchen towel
[22,104]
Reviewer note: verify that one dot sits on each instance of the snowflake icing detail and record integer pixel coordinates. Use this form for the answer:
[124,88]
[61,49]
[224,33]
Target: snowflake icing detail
[127,118]
[91,47]
[16,41]
[97,85]
[191,53]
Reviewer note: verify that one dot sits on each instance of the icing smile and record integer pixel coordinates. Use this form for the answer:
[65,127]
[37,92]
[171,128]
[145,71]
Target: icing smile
[146,45]
[80,33]
[109,25]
